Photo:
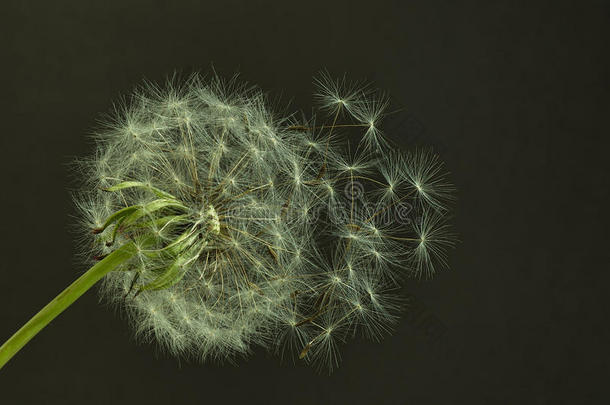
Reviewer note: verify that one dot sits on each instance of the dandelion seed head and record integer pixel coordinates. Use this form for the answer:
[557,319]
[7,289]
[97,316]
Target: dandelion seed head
[250,228]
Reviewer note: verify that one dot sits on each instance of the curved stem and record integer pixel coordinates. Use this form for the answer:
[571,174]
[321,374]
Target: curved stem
[64,300]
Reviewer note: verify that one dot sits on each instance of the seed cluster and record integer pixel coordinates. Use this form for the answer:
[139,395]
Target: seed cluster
[251,228]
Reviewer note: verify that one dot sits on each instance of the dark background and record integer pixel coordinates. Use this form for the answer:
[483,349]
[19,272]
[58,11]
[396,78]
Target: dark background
[513,96]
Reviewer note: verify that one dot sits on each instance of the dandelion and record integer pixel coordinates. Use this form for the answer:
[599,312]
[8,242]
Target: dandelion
[217,224]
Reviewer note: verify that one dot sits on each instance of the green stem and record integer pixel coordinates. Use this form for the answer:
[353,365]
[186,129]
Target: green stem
[64,300]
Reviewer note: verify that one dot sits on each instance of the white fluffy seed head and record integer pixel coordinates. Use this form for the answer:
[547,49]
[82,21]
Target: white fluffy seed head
[254,229]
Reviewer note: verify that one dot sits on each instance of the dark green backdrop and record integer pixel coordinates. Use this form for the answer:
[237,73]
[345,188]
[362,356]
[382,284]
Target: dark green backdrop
[513,95]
